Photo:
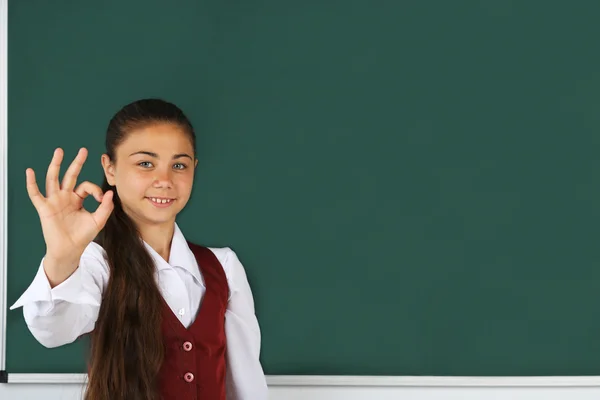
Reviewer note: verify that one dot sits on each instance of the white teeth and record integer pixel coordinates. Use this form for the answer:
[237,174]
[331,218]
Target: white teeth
[160,201]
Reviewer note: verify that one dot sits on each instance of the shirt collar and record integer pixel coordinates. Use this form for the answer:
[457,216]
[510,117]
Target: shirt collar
[180,256]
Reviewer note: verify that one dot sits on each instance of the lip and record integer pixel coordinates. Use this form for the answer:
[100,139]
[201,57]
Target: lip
[161,205]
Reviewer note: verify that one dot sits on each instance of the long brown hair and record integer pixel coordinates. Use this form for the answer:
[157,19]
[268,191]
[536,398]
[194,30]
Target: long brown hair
[127,349]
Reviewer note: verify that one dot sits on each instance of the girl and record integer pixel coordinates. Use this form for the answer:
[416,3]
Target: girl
[168,319]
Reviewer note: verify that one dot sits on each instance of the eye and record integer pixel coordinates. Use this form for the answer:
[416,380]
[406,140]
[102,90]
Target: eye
[180,166]
[145,164]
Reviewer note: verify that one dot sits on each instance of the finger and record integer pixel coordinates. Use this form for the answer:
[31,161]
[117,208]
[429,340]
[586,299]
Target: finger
[52,185]
[70,178]
[33,190]
[104,209]
[86,188]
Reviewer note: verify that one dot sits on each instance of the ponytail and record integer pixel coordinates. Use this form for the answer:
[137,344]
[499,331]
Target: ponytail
[127,350]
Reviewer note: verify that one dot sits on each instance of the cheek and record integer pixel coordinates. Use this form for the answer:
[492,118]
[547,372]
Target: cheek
[132,182]
[184,183]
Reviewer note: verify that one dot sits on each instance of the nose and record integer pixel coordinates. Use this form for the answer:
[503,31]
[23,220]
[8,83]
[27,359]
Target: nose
[162,178]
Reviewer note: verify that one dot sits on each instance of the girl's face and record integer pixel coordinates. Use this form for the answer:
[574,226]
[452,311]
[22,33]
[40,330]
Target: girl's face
[153,173]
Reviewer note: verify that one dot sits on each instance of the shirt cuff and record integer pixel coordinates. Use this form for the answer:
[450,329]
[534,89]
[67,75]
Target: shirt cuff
[39,291]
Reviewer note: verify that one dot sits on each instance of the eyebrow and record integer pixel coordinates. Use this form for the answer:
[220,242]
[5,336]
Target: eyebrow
[151,154]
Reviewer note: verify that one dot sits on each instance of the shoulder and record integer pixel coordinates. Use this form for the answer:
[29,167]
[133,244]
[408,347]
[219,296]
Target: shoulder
[234,270]
[223,254]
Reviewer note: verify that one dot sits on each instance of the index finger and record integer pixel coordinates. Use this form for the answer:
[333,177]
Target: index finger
[70,178]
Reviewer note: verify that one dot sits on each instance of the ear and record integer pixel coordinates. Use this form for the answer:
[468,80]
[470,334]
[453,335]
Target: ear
[109,169]
[196,163]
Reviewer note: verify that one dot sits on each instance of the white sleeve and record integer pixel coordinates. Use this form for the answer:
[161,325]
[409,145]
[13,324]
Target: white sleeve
[245,377]
[59,315]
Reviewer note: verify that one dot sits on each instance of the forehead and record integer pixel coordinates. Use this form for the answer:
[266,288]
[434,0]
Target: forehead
[160,138]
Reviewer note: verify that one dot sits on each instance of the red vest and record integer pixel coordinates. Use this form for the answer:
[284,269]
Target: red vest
[194,365]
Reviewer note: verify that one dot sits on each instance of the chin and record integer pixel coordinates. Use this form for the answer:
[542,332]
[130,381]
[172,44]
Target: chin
[160,219]
[153,219]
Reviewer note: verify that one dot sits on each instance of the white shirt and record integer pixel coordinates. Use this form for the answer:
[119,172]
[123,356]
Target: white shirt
[59,315]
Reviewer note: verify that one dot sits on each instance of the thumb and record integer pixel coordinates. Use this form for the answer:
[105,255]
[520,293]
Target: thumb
[104,209]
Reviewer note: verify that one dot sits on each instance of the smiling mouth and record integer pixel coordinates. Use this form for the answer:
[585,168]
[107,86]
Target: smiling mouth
[160,201]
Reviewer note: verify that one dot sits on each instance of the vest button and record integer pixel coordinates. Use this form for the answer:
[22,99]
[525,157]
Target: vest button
[187,346]
[189,377]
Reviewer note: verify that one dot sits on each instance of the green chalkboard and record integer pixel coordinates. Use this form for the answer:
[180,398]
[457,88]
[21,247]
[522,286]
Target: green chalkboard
[412,186]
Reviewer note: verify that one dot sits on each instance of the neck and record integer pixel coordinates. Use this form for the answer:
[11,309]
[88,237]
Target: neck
[159,237]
